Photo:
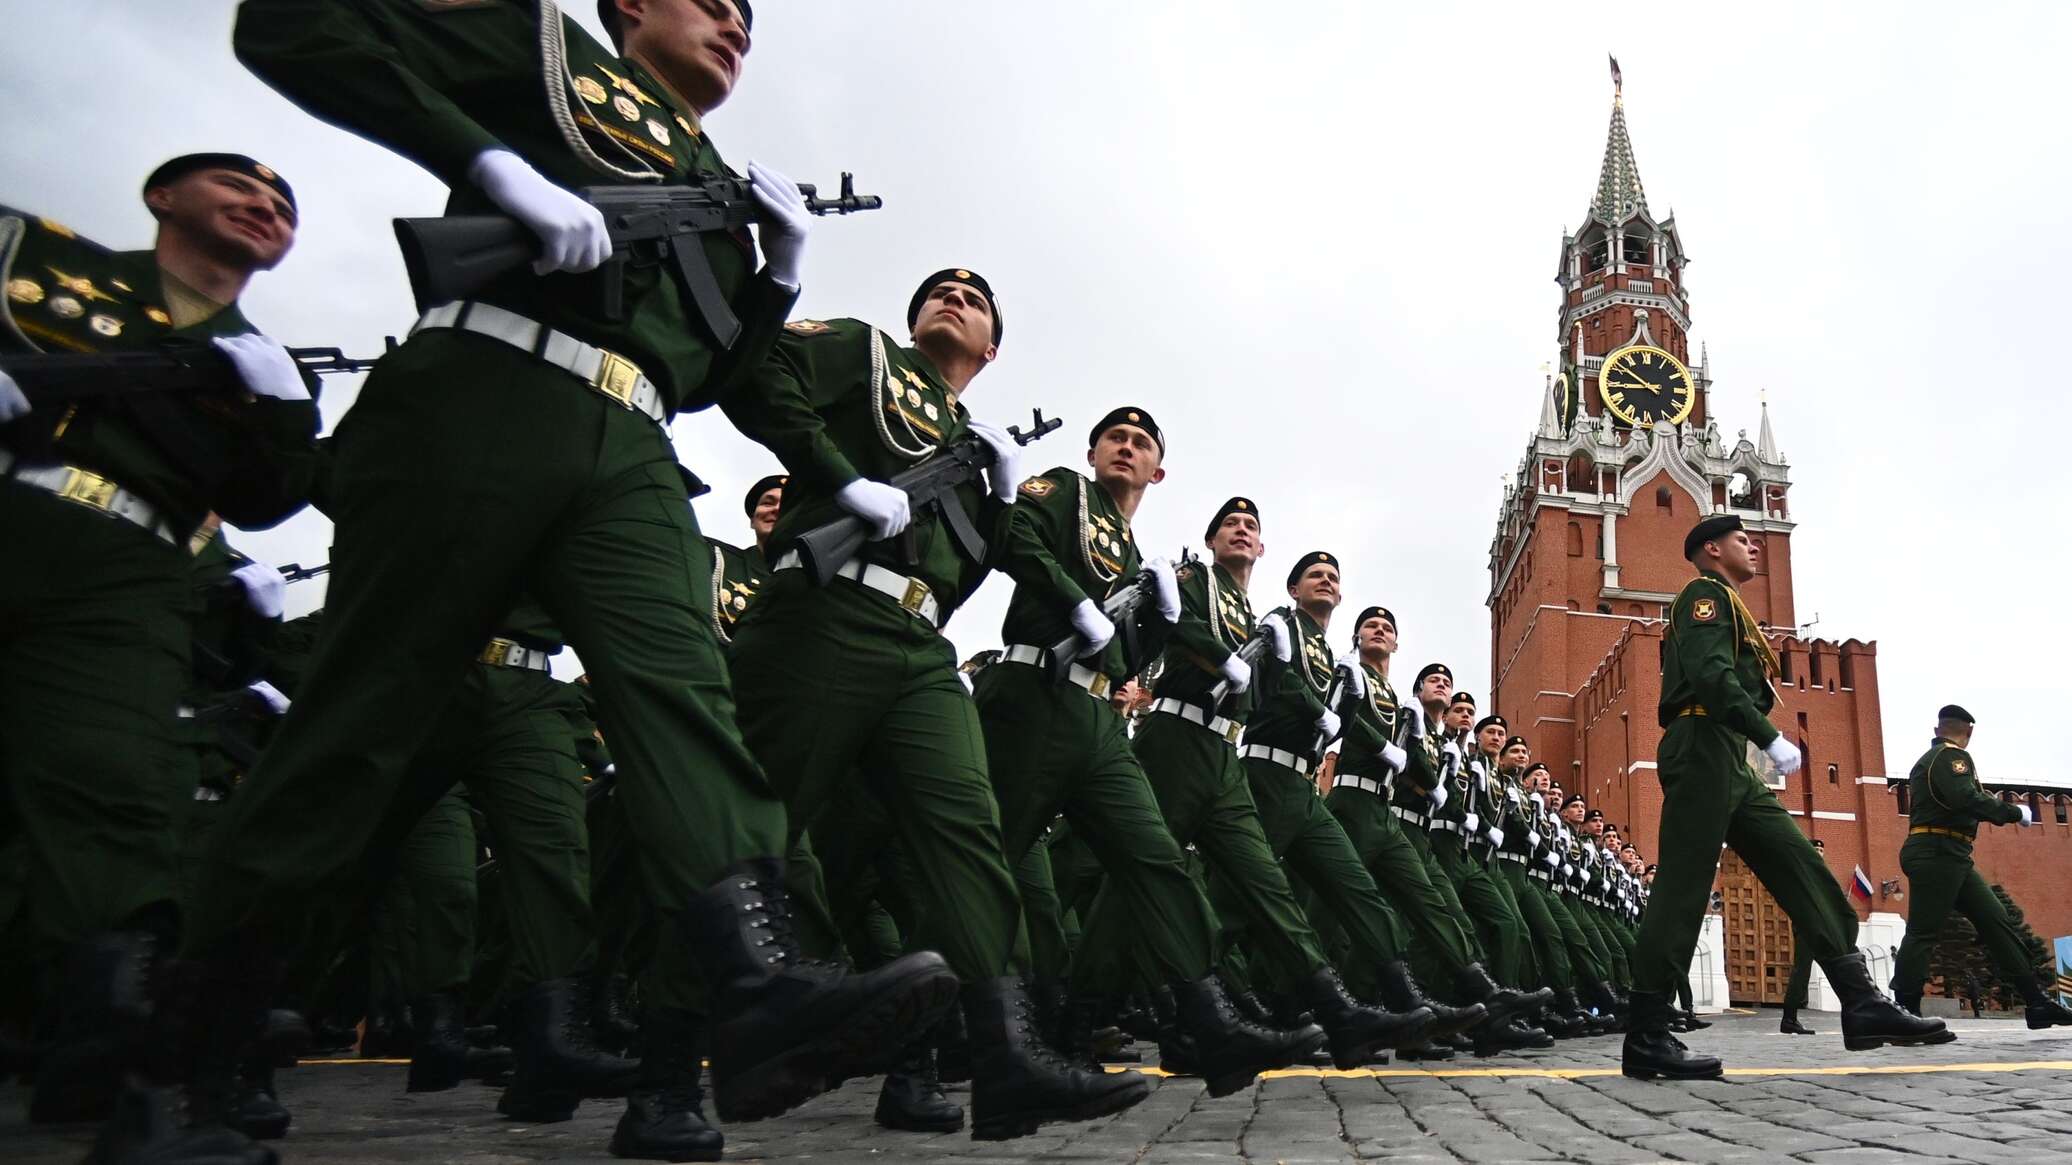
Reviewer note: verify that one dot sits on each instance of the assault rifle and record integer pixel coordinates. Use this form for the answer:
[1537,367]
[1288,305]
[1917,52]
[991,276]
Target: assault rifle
[1122,609]
[1255,649]
[930,485]
[296,572]
[58,378]
[1338,698]
[453,257]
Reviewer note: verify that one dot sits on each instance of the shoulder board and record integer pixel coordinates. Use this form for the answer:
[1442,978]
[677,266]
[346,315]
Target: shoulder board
[808,329]
[1039,487]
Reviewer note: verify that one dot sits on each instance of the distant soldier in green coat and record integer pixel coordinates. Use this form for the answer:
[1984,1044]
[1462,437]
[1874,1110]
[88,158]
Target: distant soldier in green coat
[1716,669]
[1946,805]
[739,572]
[102,500]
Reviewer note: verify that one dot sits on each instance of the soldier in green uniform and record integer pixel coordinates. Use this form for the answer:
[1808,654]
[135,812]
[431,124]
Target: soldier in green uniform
[1716,692]
[1515,842]
[844,407]
[1543,873]
[1460,833]
[738,572]
[1946,805]
[105,497]
[1055,747]
[517,441]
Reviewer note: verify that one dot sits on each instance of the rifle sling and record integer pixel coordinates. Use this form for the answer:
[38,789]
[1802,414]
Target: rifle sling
[695,269]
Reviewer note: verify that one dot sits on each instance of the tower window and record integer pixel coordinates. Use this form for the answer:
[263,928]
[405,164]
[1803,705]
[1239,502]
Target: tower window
[1575,540]
[1663,501]
[1636,249]
[2059,802]
[1834,774]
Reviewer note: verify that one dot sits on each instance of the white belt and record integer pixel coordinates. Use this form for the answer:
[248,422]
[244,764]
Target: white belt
[1508,856]
[607,372]
[1593,899]
[1540,874]
[1279,756]
[911,594]
[90,489]
[1410,815]
[1094,683]
[1444,826]
[1222,726]
[1364,784]
[507,653]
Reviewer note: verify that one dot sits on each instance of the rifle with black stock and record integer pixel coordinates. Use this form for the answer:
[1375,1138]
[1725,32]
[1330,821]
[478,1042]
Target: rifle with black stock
[296,572]
[929,485]
[1123,608]
[454,256]
[1255,649]
[59,378]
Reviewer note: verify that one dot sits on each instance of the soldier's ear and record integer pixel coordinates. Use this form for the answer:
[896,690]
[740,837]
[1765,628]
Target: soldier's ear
[1157,475]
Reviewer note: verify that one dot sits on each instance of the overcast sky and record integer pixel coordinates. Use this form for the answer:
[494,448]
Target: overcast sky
[1318,242]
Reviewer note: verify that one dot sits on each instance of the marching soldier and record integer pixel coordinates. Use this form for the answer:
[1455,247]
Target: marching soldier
[738,573]
[1544,877]
[106,496]
[844,407]
[1460,842]
[1517,841]
[516,441]
[1946,805]
[1716,692]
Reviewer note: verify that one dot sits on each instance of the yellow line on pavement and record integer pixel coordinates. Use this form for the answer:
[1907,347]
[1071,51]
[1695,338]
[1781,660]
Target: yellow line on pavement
[1587,1073]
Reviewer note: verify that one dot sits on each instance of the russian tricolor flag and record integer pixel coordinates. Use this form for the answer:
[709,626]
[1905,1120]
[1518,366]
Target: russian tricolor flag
[1860,885]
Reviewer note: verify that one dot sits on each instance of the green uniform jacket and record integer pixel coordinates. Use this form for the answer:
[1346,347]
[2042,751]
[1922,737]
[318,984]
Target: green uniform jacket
[1711,660]
[1943,792]
[1215,620]
[1067,542]
[737,574]
[1428,763]
[838,400]
[1291,698]
[1514,817]
[1372,725]
[439,82]
[245,457]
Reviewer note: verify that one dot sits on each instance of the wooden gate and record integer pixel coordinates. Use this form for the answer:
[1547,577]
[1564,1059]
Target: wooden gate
[1759,938]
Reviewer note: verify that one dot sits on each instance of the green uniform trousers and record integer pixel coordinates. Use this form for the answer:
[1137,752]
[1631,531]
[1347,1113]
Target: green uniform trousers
[466,471]
[1548,943]
[1043,916]
[421,934]
[1484,901]
[1052,748]
[1312,846]
[1585,917]
[1710,796]
[1941,878]
[1428,963]
[1399,870]
[1800,985]
[1203,794]
[840,683]
[1583,959]
[95,627]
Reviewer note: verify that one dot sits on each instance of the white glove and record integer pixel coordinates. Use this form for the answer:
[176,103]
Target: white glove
[1350,662]
[882,507]
[1552,860]
[1005,474]
[1328,725]
[272,695]
[1784,754]
[1567,871]
[1538,800]
[1472,824]
[1496,837]
[1275,628]
[572,233]
[1092,626]
[784,223]
[1168,582]
[1439,795]
[964,677]
[264,366]
[264,588]
[1394,757]
[2028,818]
[1451,749]
[1532,838]
[1237,673]
[13,402]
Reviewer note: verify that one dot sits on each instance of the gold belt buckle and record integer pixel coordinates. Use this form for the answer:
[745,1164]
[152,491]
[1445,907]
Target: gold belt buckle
[1099,686]
[916,594]
[88,489]
[497,652]
[617,378]
[1233,732]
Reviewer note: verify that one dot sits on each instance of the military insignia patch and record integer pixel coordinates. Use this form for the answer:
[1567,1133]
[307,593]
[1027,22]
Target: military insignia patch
[1038,487]
[591,90]
[1704,610]
[1959,767]
[806,327]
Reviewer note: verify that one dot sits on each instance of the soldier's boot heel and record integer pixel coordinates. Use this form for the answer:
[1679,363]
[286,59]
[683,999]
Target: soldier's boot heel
[1791,1026]
[145,1129]
[1357,1031]
[665,1110]
[439,1055]
[1650,1050]
[784,1026]
[1231,1049]
[1869,1019]
[911,1099]
[1017,1082]
[1402,992]
[2044,1010]
[556,1058]
[1473,983]
[257,1111]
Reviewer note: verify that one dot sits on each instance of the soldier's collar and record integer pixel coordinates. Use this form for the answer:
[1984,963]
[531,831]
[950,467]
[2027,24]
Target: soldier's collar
[920,360]
[649,79]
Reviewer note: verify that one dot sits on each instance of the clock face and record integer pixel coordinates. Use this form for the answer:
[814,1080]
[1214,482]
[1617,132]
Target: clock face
[1642,384]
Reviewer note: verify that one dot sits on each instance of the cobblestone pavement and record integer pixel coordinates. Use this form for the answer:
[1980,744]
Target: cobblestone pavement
[2001,1093]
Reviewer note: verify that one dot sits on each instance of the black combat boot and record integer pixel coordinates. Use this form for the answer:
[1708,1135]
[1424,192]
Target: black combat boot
[1357,1030]
[1176,1051]
[1791,1026]
[1691,1022]
[1869,1020]
[611,1012]
[952,1048]
[1611,1012]
[1229,1050]
[1402,992]
[386,1035]
[558,1062]
[104,1008]
[783,1026]
[1556,1024]
[1018,1082]
[1651,1051]
[147,1128]
[911,1097]
[1494,1038]
[2044,1010]
[439,1055]
[1474,985]
[285,1037]
[256,1111]
[665,1115]
[1571,1013]
[1075,1037]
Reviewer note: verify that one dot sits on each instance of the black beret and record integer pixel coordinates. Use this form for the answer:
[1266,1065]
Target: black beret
[1129,415]
[1433,669]
[175,169]
[1538,767]
[1574,799]
[1953,712]
[608,16]
[1370,613]
[1711,528]
[1233,506]
[1313,558]
[1594,815]
[1462,697]
[954,275]
[1490,719]
[756,491]
[1512,741]
[1652,867]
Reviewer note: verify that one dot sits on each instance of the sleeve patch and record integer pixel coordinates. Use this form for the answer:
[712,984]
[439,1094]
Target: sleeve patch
[1960,767]
[1039,487]
[806,327]
[1705,611]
